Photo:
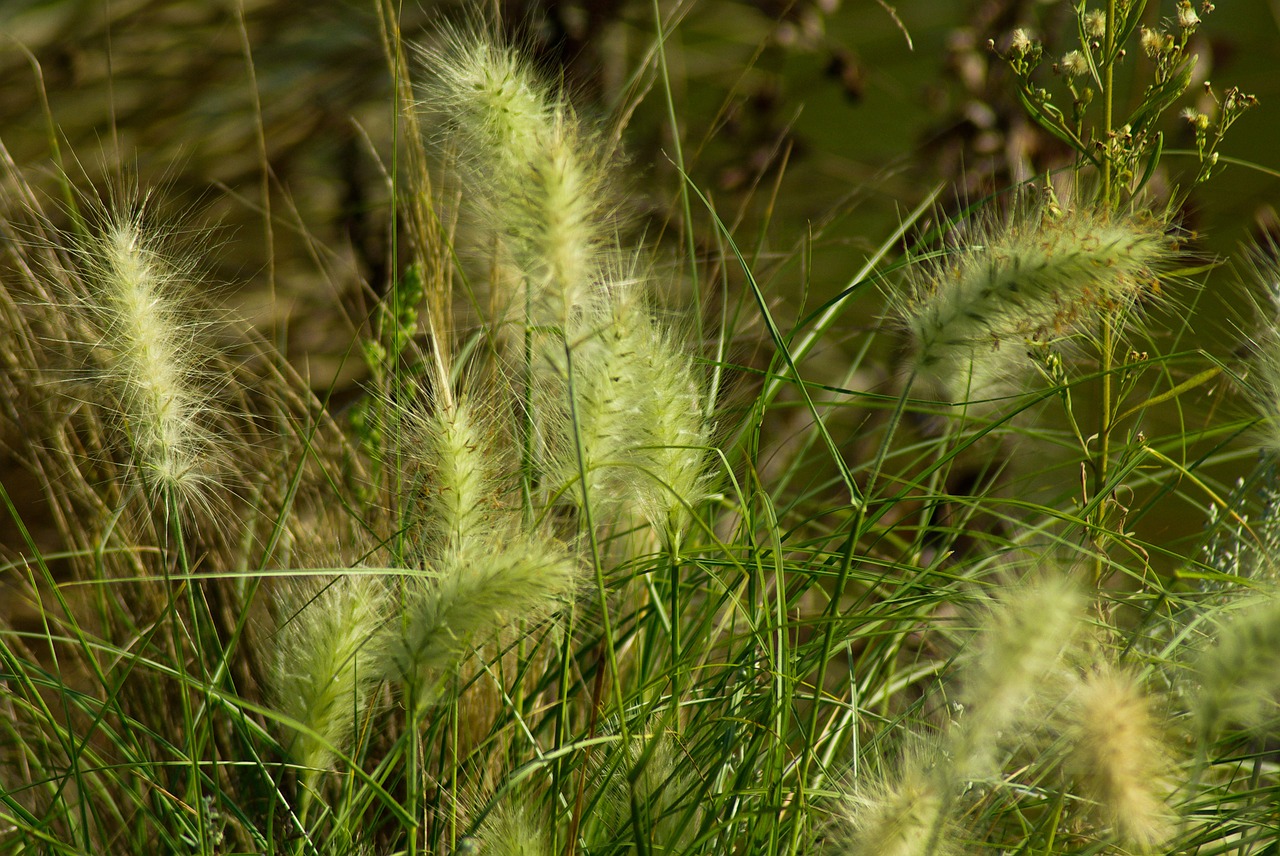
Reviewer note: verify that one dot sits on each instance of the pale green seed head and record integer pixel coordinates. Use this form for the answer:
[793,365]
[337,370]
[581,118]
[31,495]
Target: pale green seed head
[325,663]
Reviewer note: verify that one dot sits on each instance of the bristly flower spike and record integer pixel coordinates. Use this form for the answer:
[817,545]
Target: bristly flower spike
[1045,274]
[150,354]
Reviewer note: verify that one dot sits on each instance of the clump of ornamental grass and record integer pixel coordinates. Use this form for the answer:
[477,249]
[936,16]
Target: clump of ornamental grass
[1015,669]
[616,406]
[905,813]
[327,652]
[537,175]
[1044,274]
[475,566]
[1118,758]
[1240,673]
[150,354]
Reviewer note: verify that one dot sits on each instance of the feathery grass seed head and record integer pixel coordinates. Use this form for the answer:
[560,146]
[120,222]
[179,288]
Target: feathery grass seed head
[471,598]
[1263,388]
[1041,275]
[325,664]
[509,831]
[1240,672]
[460,465]
[1118,758]
[150,354]
[904,816]
[539,176]
[637,417]
[1015,667]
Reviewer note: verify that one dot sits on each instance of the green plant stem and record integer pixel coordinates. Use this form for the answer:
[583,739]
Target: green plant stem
[411,775]
[1106,336]
[677,685]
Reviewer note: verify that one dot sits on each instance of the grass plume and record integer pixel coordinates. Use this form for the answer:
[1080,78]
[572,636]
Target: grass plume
[1042,275]
[1240,673]
[539,177]
[1014,669]
[326,664]
[1119,759]
[150,354]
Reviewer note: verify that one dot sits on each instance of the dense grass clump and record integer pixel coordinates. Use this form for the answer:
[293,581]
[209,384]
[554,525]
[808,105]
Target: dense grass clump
[551,584]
